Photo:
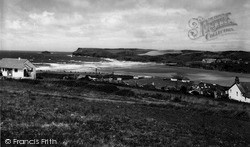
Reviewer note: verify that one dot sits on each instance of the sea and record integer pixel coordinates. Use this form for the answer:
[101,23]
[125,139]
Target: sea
[66,62]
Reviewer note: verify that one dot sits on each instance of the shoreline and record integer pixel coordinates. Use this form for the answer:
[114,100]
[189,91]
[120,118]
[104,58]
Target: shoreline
[195,74]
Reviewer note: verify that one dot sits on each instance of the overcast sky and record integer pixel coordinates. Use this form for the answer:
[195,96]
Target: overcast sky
[65,25]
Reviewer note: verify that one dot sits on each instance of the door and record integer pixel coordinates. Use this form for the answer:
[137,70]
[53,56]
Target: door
[9,72]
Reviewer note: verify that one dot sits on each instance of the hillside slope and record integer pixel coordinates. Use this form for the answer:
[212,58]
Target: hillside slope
[75,116]
[234,61]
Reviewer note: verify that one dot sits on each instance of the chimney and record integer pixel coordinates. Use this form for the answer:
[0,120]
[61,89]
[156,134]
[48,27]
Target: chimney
[237,80]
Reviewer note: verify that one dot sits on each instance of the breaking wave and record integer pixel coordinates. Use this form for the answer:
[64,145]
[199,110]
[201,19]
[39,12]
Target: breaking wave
[91,66]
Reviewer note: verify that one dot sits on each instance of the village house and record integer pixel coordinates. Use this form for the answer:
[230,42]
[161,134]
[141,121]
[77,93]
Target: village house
[208,89]
[224,60]
[185,80]
[17,68]
[240,91]
[159,84]
[180,78]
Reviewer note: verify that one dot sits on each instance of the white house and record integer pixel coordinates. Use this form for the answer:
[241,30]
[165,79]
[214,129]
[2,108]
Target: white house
[240,91]
[17,68]
[185,80]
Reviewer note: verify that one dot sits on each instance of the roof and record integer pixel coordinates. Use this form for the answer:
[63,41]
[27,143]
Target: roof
[209,86]
[15,63]
[185,78]
[244,88]
[158,82]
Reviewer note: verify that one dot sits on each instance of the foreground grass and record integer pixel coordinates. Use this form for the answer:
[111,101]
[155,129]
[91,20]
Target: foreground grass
[79,122]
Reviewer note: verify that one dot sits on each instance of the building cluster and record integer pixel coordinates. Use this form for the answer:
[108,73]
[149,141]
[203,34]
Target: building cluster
[239,91]
[223,60]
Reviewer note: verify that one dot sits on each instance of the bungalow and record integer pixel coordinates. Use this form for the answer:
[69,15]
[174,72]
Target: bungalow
[240,91]
[176,77]
[185,80]
[17,68]
[179,78]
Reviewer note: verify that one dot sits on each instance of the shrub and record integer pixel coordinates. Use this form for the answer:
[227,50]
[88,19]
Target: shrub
[242,115]
[195,92]
[67,83]
[29,81]
[157,96]
[82,83]
[125,92]
[108,88]
[183,89]
[39,77]
[176,99]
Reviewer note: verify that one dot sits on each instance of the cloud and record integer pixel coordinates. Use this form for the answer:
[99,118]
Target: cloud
[46,18]
[111,20]
[16,24]
[66,24]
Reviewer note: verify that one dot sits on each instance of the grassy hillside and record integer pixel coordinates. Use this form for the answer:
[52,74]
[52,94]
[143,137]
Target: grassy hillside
[163,56]
[238,60]
[77,116]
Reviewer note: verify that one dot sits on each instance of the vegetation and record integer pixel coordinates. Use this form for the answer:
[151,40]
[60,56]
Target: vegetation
[125,92]
[232,66]
[238,61]
[46,52]
[75,115]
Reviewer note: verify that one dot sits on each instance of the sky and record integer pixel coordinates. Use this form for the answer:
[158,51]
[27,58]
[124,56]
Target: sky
[65,25]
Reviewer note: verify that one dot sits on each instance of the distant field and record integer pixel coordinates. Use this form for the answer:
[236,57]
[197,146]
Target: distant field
[161,52]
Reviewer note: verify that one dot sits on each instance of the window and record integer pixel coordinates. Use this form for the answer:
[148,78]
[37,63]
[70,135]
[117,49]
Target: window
[230,90]
[15,70]
[236,93]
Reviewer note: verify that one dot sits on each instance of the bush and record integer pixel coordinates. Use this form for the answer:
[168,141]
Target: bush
[39,77]
[82,84]
[67,83]
[107,88]
[29,81]
[157,96]
[183,89]
[176,99]
[52,75]
[125,92]
[195,92]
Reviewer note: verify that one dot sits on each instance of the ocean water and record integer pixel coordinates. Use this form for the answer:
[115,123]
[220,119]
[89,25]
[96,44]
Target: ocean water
[64,61]
[105,65]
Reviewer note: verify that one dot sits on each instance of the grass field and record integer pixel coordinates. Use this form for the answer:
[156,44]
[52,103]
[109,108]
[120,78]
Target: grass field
[75,115]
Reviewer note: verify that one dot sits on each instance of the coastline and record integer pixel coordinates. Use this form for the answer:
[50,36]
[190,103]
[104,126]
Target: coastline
[156,70]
